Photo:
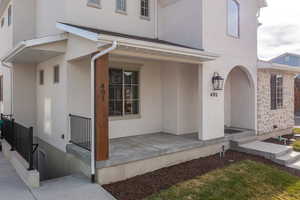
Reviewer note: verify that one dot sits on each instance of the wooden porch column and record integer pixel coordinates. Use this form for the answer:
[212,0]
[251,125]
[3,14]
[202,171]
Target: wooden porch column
[101,108]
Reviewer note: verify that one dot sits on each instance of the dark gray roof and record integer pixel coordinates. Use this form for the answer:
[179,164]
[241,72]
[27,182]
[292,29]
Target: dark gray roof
[100,31]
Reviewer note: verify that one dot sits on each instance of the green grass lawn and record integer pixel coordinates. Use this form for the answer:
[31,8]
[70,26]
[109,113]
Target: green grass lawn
[243,180]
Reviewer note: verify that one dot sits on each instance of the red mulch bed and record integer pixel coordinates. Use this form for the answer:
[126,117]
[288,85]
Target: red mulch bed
[139,187]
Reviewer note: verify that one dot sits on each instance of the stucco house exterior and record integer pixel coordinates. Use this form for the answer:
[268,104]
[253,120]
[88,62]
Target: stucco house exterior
[95,72]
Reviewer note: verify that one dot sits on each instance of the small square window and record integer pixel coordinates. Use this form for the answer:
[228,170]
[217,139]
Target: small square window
[9,15]
[145,9]
[41,77]
[56,74]
[94,3]
[121,6]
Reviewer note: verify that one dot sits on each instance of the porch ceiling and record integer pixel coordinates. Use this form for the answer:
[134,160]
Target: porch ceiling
[155,54]
[33,56]
[36,50]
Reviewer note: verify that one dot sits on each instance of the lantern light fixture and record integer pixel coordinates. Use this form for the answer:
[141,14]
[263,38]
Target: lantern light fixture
[217,81]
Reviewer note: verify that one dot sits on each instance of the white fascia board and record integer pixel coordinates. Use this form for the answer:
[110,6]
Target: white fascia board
[275,66]
[136,43]
[78,31]
[159,47]
[31,43]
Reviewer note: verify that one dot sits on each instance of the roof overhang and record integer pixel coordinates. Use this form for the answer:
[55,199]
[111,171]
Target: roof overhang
[141,48]
[275,66]
[36,50]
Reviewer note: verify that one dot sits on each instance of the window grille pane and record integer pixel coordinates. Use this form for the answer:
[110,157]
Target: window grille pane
[279,95]
[273,92]
[115,108]
[121,5]
[116,76]
[145,8]
[115,92]
[135,107]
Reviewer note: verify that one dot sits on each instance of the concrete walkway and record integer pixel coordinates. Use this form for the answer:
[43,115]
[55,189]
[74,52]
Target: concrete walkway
[73,187]
[283,155]
[11,185]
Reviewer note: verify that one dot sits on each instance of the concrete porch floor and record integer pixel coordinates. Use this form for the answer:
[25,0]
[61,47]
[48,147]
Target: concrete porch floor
[134,148]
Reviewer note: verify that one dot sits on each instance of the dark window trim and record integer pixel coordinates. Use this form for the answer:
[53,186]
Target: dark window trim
[9,15]
[276,92]
[56,74]
[1,88]
[41,77]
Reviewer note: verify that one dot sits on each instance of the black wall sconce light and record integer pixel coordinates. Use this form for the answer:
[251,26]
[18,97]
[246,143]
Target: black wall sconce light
[217,81]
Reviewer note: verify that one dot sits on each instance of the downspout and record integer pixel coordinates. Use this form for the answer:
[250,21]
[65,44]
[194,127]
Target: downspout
[94,58]
[9,66]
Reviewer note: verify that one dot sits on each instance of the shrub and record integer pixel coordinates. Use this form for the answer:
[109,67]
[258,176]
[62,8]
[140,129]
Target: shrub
[296,145]
[296,130]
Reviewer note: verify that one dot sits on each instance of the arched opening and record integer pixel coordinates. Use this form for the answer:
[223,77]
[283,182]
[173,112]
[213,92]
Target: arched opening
[239,94]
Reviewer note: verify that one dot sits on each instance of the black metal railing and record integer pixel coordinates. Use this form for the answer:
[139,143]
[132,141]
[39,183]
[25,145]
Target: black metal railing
[80,131]
[20,138]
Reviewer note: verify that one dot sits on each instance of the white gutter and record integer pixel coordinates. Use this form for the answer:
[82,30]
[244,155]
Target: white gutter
[94,58]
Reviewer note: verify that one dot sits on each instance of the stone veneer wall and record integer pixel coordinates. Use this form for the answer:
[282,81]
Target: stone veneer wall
[267,118]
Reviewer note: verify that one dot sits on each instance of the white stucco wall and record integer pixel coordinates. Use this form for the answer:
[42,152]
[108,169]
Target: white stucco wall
[233,52]
[23,20]
[150,120]
[52,115]
[181,23]
[131,23]
[5,105]
[180,98]
[24,94]
[47,14]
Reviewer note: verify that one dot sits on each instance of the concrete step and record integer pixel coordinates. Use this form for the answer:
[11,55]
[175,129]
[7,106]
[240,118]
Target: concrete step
[241,141]
[295,165]
[266,150]
[288,158]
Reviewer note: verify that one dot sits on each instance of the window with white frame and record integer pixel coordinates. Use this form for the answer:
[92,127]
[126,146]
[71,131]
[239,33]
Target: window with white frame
[94,3]
[121,5]
[9,16]
[145,9]
[233,21]
[123,92]
[276,91]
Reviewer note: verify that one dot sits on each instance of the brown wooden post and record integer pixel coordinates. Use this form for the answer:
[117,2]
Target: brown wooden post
[101,108]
